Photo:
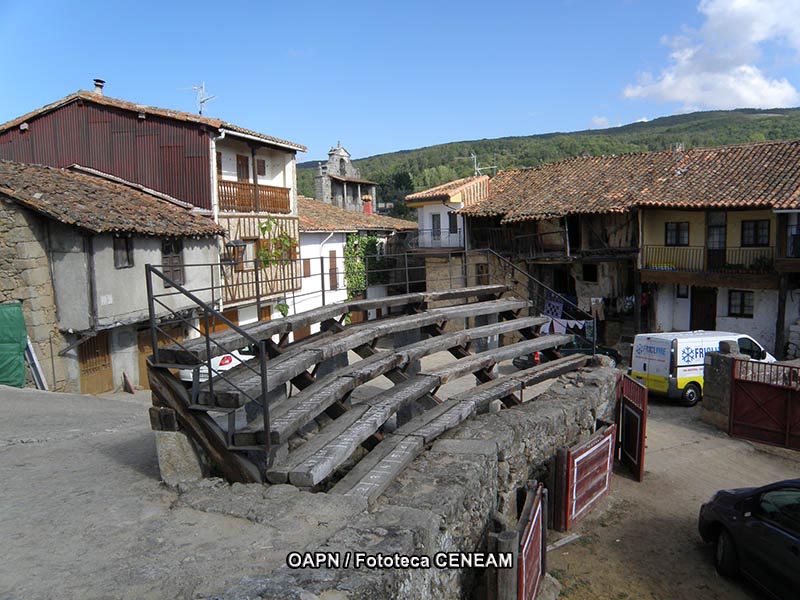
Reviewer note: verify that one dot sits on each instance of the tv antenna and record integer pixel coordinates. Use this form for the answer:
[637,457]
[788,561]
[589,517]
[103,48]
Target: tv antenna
[200,90]
[478,168]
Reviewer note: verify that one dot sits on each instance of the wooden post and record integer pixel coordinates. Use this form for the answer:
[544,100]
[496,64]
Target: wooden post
[780,324]
[508,541]
[255,179]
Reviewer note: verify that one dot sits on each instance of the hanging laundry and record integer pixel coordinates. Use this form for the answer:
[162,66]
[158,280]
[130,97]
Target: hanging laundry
[553,308]
[598,308]
[559,326]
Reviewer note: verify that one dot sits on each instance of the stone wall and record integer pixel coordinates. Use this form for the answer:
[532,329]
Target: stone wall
[25,276]
[444,501]
[717,382]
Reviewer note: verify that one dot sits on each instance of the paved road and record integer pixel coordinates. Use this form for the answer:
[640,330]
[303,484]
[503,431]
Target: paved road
[643,543]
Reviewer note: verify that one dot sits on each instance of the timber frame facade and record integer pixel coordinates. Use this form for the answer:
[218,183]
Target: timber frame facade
[706,238]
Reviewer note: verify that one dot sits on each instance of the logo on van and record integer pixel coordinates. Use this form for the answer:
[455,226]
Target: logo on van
[689,354]
[656,350]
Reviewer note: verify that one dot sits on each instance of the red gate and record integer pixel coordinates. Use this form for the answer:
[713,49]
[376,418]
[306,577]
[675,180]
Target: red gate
[765,403]
[532,544]
[583,476]
[632,425]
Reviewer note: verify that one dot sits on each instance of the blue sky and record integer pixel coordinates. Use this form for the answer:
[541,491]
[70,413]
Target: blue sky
[390,76]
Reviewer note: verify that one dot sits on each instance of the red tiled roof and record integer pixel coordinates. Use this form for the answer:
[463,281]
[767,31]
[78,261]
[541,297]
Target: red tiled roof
[759,175]
[98,205]
[314,215]
[446,190]
[351,179]
[150,110]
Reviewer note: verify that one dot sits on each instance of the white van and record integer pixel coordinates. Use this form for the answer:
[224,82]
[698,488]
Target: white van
[672,363]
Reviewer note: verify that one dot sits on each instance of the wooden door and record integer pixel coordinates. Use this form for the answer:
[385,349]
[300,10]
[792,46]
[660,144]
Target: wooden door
[704,308]
[94,361]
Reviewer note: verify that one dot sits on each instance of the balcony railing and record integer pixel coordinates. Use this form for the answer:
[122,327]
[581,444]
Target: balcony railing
[498,239]
[436,238]
[697,259]
[240,196]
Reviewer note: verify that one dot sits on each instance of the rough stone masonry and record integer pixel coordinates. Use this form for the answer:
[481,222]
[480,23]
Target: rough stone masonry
[444,501]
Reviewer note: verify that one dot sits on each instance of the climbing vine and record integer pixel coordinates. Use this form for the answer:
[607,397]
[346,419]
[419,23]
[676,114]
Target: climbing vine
[278,245]
[361,252]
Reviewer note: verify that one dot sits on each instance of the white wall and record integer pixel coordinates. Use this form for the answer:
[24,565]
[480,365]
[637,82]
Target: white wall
[310,294]
[761,326]
[425,223]
[121,294]
[279,164]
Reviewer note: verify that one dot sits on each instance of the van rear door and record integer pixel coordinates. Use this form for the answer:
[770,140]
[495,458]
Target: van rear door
[651,361]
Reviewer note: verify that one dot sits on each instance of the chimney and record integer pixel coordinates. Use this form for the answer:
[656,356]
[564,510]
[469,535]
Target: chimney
[367,204]
[98,86]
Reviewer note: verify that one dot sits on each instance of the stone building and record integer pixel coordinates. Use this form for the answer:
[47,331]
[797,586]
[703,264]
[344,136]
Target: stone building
[73,249]
[339,183]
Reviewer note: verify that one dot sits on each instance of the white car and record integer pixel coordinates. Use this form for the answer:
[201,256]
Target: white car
[219,364]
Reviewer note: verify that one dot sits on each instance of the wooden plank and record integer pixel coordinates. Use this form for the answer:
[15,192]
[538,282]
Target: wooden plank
[193,351]
[459,412]
[373,474]
[308,405]
[326,460]
[279,472]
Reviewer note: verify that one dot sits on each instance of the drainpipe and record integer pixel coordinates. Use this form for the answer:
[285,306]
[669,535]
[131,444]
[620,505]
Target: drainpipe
[89,247]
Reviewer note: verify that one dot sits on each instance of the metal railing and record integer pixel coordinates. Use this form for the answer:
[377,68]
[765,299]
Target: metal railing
[198,317]
[698,259]
[240,196]
[436,238]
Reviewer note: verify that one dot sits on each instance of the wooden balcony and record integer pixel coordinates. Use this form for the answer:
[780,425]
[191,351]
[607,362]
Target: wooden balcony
[699,265]
[239,196]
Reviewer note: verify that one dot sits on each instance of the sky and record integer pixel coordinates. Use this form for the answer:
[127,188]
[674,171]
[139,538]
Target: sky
[386,76]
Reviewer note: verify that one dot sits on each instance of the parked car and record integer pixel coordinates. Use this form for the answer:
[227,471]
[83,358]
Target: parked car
[757,533]
[221,363]
[672,364]
[580,345]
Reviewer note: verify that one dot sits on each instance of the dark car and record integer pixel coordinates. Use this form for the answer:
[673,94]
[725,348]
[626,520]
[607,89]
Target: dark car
[757,533]
[579,345]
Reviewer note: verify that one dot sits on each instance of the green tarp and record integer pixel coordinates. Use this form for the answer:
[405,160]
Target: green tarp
[13,339]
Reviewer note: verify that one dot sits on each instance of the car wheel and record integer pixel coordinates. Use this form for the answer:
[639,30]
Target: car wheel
[613,363]
[691,394]
[726,560]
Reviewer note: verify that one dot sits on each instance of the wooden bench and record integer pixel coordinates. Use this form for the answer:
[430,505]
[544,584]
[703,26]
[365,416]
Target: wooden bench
[242,384]
[195,351]
[373,473]
[308,404]
[339,448]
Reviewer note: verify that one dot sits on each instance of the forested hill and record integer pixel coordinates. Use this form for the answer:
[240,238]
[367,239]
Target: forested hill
[407,171]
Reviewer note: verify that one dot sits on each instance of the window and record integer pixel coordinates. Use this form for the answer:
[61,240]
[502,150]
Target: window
[123,252]
[245,255]
[749,347]
[452,222]
[306,267]
[590,273]
[755,233]
[261,167]
[242,168]
[342,167]
[716,230]
[333,280]
[740,304]
[172,259]
[682,290]
[782,507]
[436,226]
[676,234]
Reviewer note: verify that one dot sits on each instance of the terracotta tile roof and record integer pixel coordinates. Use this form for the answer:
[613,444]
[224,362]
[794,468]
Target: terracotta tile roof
[351,179]
[150,110]
[446,190]
[98,205]
[314,215]
[760,175]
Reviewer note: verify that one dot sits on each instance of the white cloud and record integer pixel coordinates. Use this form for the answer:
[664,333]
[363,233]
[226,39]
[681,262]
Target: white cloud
[719,66]
[598,123]
[642,120]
